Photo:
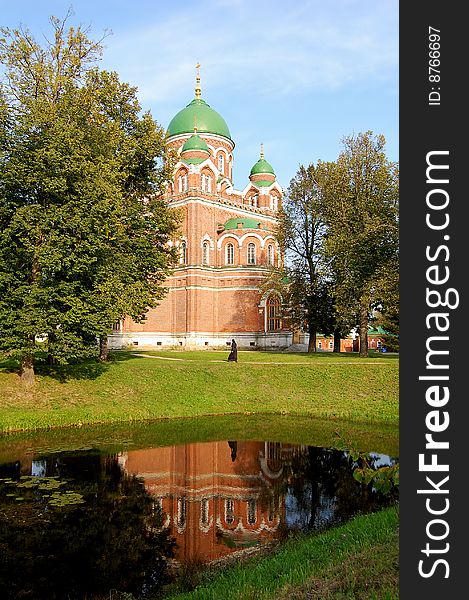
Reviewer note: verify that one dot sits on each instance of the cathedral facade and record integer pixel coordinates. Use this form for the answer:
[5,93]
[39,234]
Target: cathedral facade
[227,246]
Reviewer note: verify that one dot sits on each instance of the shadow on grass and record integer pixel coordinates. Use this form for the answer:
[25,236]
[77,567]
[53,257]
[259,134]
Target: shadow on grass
[384,355]
[90,368]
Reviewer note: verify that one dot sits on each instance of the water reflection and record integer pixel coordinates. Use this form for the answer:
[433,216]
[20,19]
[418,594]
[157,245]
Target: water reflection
[77,528]
[221,496]
[76,524]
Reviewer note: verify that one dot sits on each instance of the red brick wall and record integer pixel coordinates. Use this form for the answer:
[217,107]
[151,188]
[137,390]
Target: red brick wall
[217,297]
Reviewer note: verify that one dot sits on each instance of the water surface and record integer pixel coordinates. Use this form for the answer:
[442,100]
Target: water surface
[78,523]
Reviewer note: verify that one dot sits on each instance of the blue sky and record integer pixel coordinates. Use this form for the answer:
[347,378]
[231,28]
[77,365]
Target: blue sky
[296,76]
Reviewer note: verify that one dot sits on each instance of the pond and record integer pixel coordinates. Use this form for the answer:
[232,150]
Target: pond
[76,522]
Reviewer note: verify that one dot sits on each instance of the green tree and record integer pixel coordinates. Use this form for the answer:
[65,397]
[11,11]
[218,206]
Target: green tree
[386,313]
[302,230]
[84,232]
[361,211]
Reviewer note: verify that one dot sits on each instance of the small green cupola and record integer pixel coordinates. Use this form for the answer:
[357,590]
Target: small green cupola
[195,149]
[262,173]
[195,142]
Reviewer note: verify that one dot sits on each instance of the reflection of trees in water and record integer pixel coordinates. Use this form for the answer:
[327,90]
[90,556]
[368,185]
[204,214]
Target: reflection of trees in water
[307,487]
[322,490]
[114,540]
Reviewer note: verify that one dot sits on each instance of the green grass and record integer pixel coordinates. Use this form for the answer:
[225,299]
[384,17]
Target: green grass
[320,399]
[112,438]
[134,388]
[355,561]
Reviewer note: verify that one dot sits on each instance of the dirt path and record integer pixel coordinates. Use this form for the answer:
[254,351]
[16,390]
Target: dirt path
[251,362]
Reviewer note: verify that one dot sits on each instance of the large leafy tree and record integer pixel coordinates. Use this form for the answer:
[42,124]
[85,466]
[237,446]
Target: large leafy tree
[302,228]
[361,210]
[83,231]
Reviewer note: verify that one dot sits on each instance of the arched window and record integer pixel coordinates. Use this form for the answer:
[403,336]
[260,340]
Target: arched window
[273,313]
[183,254]
[270,255]
[229,254]
[182,183]
[254,200]
[252,510]
[229,510]
[251,253]
[273,202]
[181,514]
[221,163]
[206,183]
[274,456]
[205,253]
[204,506]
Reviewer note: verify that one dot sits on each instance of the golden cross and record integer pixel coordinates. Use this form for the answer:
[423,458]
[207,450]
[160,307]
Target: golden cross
[197,81]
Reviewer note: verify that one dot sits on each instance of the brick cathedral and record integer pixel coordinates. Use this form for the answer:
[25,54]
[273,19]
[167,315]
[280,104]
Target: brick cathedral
[226,248]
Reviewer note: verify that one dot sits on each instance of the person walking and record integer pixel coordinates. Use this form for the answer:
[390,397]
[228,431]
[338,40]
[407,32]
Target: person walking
[233,357]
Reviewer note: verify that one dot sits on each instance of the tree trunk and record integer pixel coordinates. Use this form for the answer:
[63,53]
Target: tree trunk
[103,349]
[364,329]
[27,370]
[336,340]
[312,340]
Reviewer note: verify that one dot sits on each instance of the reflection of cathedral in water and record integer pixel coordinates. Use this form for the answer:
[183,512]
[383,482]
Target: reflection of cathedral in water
[217,497]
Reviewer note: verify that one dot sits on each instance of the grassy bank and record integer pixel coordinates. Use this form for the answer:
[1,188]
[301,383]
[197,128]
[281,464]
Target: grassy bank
[111,439]
[358,560]
[180,384]
[191,384]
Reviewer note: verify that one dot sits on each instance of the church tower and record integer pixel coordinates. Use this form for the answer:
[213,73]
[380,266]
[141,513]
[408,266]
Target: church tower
[226,247]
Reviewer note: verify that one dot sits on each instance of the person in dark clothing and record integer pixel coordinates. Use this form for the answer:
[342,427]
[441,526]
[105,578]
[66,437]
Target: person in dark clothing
[233,357]
[234,449]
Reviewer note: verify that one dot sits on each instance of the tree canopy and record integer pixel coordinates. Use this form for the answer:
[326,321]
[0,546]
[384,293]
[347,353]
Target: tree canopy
[362,200]
[83,230]
[339,226]
[302,229]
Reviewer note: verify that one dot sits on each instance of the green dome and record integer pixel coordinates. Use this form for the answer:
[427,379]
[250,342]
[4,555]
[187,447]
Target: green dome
[195,142]
[198,114]
[263,183]
[261,167]
[245,223]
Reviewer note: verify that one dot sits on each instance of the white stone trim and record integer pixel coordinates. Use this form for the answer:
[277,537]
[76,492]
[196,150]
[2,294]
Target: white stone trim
[235,271]
[208,239]
[204,135]
[229,187]
[228,206]
[225,236]
[255,235]
[257,188]
[263,304]
[197,340]
[271,237]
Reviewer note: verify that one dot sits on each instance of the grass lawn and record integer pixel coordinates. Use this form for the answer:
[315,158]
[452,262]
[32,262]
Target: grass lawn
[135,387]
[302,398]
[355,561]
